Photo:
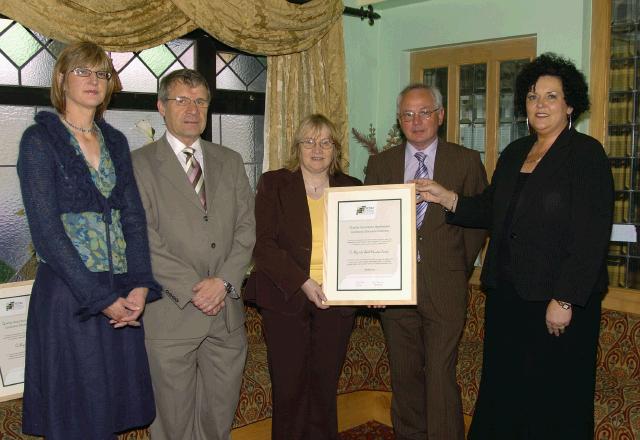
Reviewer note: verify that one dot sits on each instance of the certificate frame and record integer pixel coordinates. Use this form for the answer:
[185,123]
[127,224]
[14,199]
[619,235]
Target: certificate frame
[370,245]
[14,308]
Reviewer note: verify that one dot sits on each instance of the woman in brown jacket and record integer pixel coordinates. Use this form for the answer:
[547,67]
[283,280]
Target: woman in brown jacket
[306,340]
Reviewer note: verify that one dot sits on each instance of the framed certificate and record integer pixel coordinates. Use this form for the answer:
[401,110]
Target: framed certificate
[14,305]
[370,245]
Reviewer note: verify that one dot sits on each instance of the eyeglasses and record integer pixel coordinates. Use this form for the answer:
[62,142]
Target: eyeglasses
[84,72]
[325,144]
[423,114]
[185,101]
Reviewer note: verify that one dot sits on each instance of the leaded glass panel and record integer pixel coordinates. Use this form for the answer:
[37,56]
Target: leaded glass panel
[512,127]
[622,138]
[439,77]
[244,134]
[240,72]
[473,91]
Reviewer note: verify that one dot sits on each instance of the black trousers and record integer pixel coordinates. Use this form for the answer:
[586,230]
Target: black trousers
[536,386]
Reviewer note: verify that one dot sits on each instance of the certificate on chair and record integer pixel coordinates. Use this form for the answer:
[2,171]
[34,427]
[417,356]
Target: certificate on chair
[369,245]
[14,305]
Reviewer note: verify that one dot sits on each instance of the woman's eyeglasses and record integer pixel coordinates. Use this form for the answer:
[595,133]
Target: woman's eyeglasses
[325,144]
[84,72]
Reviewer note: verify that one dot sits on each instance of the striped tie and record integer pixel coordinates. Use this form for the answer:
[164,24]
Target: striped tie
[421,173]
[194,173]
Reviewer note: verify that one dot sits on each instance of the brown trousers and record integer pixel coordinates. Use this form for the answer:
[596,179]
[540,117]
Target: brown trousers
[306,351]
[423,351]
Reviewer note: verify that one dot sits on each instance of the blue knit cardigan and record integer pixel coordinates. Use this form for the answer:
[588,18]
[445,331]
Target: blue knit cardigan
[55,180]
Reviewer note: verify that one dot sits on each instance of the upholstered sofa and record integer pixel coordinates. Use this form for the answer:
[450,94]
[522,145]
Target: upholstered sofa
[617,403]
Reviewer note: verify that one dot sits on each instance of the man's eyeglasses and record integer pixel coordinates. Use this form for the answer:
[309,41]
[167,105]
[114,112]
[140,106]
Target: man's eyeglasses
[325,144]
[423,114]
[185,101]
[84,72]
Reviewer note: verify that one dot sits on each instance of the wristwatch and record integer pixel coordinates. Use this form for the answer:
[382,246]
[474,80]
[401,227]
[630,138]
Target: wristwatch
[229,289]
[564,305]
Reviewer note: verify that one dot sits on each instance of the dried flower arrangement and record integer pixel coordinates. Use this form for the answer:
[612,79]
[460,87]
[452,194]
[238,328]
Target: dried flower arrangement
[368,141]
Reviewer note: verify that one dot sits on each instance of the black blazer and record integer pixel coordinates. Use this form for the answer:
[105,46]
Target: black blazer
[282,253]
[560,231]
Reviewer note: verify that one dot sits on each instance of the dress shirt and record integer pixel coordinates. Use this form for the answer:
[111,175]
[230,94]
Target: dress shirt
[177,146]
[411,162]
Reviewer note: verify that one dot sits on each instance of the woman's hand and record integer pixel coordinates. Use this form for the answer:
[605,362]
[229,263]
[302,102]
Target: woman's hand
[314,293]
[431,191]
[127,311]
[557,318]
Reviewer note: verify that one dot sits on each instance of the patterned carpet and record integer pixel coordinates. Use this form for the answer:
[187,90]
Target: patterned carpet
[371,430]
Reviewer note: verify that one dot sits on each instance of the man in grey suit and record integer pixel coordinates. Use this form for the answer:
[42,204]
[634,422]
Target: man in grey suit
[423,340]
[201,227]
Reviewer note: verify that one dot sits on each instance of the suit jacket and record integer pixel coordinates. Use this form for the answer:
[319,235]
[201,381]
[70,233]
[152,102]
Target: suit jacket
[188,244]
[446,250]
[283,240]
[560,230]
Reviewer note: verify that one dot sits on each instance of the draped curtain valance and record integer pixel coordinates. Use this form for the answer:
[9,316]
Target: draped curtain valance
[304,44]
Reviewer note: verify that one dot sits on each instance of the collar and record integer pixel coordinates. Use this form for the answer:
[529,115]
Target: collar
[177,146]
[430,151]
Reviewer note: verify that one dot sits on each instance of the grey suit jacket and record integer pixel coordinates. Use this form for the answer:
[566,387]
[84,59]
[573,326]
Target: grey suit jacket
[188,244]
[447,251]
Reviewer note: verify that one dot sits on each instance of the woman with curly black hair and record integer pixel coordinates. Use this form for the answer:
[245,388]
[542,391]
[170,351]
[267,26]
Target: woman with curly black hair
[549,210]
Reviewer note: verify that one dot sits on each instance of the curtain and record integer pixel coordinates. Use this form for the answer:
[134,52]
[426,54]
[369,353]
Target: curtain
[304,45]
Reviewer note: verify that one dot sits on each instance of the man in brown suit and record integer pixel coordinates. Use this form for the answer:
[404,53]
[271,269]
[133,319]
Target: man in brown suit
[201,228]
[423,340]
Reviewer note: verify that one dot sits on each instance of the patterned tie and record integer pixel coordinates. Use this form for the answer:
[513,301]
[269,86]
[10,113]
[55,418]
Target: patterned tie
[194,173]
[421,173]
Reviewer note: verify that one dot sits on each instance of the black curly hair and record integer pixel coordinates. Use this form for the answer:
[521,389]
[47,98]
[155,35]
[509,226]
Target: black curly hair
[574,84]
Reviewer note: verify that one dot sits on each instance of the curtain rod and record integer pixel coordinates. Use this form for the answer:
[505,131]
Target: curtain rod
[362,13]
[352,12]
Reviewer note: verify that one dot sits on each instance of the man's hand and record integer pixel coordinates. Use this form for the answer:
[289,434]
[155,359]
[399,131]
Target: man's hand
[209,295]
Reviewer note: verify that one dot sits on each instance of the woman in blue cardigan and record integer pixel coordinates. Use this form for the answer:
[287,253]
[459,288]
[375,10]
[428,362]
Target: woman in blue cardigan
[86,371]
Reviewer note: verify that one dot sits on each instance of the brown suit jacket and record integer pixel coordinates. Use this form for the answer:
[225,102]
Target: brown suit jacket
[283,240]
[447,251]
[188,244]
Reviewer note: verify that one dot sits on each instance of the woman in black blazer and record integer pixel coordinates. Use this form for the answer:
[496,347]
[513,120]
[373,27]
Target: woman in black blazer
[549,212]
[306,340]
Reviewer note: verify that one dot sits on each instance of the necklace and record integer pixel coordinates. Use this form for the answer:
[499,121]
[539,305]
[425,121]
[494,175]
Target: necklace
[315,188]
[80,129]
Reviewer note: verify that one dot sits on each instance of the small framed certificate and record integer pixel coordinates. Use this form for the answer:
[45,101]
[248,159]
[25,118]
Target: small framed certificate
[14,306]
[370,245]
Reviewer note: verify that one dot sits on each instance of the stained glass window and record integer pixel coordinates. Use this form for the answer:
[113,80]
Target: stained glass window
[27,59]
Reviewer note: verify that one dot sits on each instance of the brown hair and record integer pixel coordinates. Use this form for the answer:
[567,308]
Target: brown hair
[83,54]
[188,77]
[312,125]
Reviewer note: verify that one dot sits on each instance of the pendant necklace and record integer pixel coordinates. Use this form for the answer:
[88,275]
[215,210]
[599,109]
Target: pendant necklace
[315,188]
